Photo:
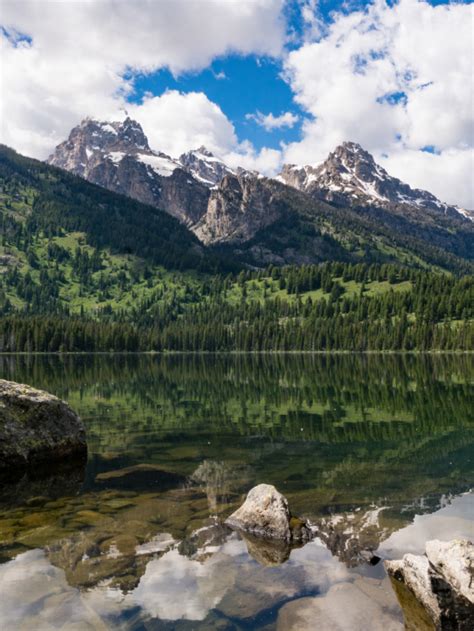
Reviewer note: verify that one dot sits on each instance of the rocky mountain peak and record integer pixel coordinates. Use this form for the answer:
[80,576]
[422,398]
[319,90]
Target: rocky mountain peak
[130,132]
[93,141]
[352,172]
[204,166]
[204,151]
[351,177]
[350,157]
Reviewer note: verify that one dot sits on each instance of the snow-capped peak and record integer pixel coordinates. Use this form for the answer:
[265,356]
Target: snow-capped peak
[351,177]
[204,166]
[93,143]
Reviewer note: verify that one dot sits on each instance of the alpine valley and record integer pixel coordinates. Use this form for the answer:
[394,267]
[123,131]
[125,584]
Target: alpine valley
[114,245]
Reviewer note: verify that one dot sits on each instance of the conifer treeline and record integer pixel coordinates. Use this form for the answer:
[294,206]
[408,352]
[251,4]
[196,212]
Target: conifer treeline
[435,312]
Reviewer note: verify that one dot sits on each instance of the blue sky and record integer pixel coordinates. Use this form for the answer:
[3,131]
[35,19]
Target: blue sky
[240,86]
[243,85]
[260,82]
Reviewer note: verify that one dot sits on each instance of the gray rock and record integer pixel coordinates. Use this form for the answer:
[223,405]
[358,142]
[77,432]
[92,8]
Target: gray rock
[204,166]
[454,560]
[413,571]
[265,513]
[442,582]
[267,552]
[239,208]
[36,427]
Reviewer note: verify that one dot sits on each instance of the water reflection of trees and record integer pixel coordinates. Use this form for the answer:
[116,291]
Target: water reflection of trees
[336,397]
[321,419]
[332,432]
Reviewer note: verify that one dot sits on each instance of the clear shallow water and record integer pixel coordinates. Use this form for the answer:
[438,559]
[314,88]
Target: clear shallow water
[377,451]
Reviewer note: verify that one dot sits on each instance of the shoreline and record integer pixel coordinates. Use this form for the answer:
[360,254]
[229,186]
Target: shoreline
[279,352]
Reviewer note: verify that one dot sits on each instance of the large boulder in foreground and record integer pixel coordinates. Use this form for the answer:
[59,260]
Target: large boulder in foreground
[436,591]
[36,427]
[265,513]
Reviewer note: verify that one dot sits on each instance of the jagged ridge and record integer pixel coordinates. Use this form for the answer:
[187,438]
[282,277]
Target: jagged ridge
[351,177]
[346,204]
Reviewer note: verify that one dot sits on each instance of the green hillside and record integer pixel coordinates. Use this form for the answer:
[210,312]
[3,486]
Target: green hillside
[38,201]
[312,231]
[84,269]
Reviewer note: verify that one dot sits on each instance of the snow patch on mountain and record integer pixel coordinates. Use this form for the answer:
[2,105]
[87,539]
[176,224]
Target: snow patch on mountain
[160,163]
[205,166]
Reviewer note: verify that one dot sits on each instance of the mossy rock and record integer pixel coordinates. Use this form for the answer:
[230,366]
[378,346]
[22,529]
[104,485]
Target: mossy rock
[35,428]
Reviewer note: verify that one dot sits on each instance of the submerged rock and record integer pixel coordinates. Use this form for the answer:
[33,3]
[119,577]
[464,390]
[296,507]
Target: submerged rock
[142,476]
[35,487]
[36,427]
[265,513]
[436,591]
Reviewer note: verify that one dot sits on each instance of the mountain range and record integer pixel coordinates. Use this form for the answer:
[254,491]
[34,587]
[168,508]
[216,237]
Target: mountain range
[347,207]
[83,268]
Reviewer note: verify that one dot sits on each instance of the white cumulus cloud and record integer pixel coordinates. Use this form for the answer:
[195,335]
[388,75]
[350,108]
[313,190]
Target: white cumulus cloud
[396,79]
[271,122]
[266,160]
[176,122]
[79,58]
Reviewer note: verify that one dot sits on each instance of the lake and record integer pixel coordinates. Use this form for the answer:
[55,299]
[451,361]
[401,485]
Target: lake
[376,451]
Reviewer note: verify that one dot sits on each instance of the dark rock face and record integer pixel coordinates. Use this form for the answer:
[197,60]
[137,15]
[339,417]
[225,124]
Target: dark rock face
[36,427]
[436,591]
[184,197]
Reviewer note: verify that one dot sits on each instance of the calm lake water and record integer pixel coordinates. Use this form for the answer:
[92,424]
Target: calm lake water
[377,451]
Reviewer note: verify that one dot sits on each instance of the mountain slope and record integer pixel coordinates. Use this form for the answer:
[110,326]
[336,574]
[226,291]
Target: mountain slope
[42,199]
[85,269]
[117,156]
[348,208]
[290,227]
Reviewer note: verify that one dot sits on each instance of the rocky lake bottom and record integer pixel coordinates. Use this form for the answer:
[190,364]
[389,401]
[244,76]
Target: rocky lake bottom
[376,451]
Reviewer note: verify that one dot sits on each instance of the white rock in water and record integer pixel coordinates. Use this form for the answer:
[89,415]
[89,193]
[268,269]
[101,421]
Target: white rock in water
[454,561]
[442,581]
[264,513]
[414,572]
